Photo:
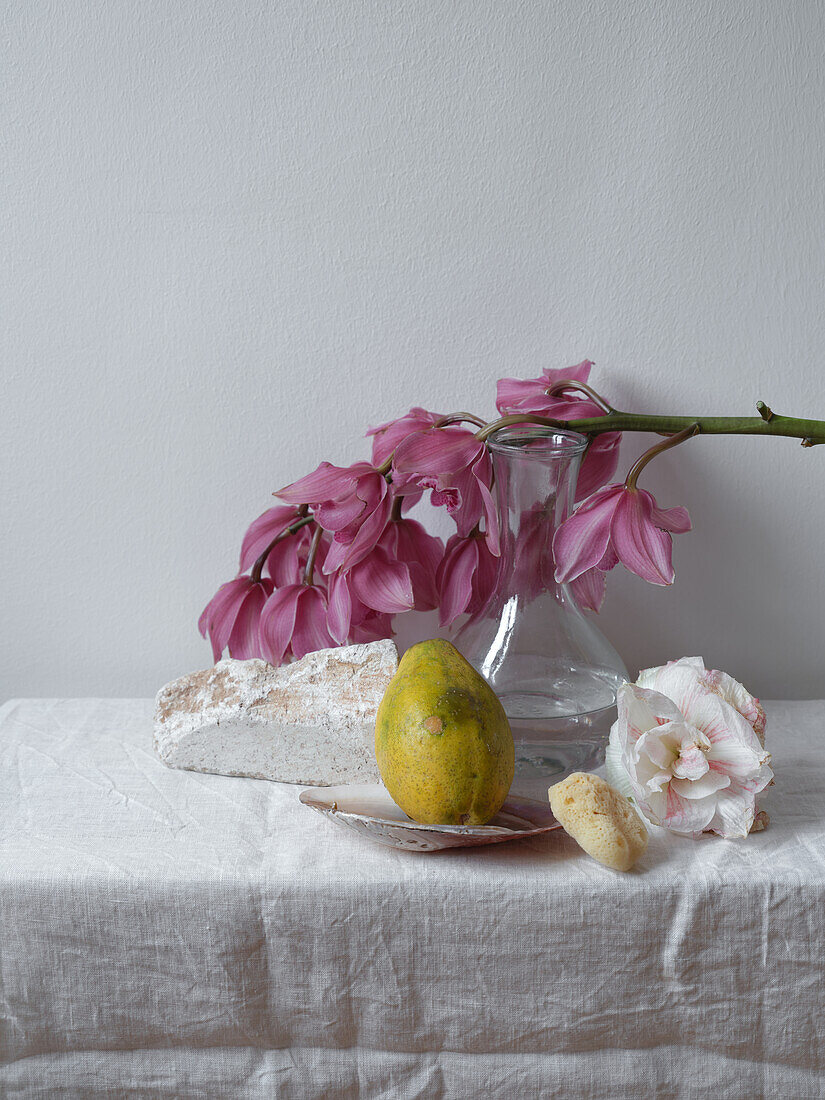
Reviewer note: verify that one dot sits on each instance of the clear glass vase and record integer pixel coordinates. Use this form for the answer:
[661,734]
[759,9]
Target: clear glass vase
[554,671]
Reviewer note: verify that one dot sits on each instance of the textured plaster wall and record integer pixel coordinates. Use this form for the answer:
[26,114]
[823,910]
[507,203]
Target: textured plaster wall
[235,234]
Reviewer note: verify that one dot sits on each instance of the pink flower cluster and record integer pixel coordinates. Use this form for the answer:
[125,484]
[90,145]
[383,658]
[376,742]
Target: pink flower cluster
[373,562]
[339,557]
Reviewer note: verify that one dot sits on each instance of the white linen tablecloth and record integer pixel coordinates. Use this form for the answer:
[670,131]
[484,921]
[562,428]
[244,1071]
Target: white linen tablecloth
[165,933]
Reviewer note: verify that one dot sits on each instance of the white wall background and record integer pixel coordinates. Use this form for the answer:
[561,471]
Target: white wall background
[236,234]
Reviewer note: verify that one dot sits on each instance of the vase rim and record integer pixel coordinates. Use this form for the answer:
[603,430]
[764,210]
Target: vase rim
[557,441]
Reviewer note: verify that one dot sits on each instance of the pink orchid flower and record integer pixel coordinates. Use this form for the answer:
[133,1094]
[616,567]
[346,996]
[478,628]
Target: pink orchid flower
[529,395]
[618,524]
[386,437]
[466,577]
[397,575]
[294,623]
[457,468]
[352,502]
[232,616]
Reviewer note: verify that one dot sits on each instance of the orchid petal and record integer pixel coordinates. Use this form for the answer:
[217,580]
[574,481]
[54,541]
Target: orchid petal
[530,394]
[485,578]
[581,541]
[278,623]
[283,562]
[382,584]
[675,520]
[387,436]
[218,617]
[588,589]
[599,463]
[482,471]
[310,632]
[455,580]
[439,451]
[336,515]
[328,482]
[579,373]
[261,532]
[243,641]
[641,546]
[365,539]
[409,542]
[374,626]
[339,608]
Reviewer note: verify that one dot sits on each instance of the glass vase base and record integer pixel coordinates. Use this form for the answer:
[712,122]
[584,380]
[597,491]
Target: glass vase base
[549,750]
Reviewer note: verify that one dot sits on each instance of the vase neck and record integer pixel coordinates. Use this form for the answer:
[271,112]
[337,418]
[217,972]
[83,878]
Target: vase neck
[535,479]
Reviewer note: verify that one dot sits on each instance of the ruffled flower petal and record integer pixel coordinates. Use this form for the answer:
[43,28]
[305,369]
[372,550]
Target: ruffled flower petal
[692,767]
[685,815]
[691,764]
[701,786]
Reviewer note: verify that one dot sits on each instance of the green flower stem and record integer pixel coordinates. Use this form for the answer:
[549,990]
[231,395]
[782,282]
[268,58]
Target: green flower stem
[809,431]
[313,550]
[666,444]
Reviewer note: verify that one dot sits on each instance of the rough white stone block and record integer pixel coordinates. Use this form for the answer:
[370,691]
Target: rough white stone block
[311,722]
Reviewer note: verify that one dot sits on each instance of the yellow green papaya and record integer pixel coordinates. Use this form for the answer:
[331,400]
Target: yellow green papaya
[443,744]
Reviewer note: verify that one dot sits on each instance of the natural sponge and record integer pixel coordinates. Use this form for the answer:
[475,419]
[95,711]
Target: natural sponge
[600,819]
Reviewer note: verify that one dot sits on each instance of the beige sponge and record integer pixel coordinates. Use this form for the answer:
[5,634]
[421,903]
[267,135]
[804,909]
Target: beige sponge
[600,819]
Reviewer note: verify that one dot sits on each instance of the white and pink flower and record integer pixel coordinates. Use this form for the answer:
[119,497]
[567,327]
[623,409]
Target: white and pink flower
[690,750]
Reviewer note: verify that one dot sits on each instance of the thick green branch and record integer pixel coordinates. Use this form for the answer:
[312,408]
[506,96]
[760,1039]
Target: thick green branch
[795,427]
[809,431]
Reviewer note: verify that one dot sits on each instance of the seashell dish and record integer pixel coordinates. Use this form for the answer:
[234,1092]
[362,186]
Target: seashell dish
[368,809]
